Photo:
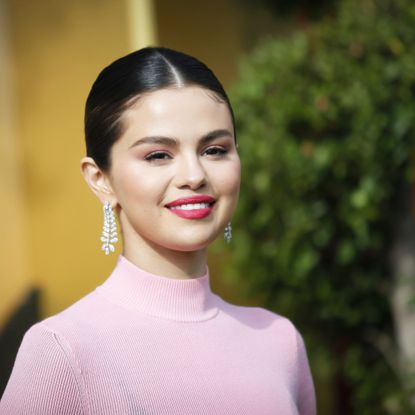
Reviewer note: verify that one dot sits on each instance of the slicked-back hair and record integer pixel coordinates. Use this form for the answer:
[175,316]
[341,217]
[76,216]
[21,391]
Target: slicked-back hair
[121,83]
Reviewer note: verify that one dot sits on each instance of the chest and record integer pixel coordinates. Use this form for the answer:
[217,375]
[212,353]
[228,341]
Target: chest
[189,371]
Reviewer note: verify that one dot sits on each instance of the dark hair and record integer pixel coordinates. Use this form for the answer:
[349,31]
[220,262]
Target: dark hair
[123,81]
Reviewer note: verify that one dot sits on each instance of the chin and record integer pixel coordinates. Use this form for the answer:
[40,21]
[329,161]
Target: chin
[191,243]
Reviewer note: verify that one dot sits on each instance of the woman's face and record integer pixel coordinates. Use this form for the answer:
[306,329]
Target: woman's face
[175,171]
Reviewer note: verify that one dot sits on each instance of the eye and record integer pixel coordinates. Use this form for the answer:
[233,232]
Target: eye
[215,151]
[157,155]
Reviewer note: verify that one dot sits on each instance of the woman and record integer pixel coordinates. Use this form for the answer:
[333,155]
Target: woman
[154,338]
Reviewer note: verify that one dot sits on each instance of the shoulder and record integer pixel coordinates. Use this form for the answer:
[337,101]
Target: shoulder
[79,314]
[70,328]
[45,344]
[56,333]
[261,318]
[48,373]
[62,333]
[56,340]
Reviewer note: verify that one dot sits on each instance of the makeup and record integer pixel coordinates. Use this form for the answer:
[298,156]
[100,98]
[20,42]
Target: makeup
[193,207]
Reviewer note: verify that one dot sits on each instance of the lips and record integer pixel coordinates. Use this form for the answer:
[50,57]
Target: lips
[193,207]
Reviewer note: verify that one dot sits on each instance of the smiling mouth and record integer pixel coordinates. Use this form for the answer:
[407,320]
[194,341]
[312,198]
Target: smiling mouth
[193,210]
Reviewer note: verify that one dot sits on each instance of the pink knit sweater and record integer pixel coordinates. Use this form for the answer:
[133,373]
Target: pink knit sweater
[146,344]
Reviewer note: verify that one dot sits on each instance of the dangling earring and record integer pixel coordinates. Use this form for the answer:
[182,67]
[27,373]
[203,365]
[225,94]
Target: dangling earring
[109,230]
[228,233]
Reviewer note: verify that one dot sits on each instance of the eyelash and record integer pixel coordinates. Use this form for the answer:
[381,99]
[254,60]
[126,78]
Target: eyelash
[219,151]
[161,155]
[155,156]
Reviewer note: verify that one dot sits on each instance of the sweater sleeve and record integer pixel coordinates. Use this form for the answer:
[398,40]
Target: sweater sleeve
[45,378]
[306,394]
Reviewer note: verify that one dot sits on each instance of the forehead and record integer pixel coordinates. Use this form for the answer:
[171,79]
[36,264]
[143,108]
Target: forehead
[181,111]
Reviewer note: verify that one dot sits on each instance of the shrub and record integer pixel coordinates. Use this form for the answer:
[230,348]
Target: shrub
[325,123]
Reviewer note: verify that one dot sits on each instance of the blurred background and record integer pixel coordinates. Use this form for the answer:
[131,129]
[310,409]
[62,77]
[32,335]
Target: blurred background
[323,93]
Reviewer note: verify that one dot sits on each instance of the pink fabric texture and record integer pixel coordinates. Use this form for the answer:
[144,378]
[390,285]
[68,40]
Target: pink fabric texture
[145,344]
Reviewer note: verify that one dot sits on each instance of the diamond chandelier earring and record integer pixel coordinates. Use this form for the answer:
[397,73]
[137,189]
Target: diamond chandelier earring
[109,230]
[227,235]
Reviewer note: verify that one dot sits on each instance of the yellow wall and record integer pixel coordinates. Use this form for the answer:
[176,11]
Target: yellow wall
[14,276]
[55,50]
[58,47]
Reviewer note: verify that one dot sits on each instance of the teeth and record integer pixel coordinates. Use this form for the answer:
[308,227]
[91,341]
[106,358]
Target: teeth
[192,206]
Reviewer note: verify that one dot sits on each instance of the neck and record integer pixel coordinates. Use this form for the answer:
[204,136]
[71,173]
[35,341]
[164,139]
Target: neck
[162,261]
[133,288]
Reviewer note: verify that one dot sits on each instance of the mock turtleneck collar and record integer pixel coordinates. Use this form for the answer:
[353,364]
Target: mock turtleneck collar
[175,299]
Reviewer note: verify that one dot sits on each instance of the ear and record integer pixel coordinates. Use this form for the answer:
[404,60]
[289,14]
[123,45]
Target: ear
[98,181]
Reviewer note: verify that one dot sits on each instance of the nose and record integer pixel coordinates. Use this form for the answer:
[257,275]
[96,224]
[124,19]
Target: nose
[190,173]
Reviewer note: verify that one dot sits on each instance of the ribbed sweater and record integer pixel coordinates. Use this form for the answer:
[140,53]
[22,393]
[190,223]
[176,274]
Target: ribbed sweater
[147,344]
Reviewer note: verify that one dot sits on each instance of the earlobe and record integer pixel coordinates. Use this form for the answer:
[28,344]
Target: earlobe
[97,180]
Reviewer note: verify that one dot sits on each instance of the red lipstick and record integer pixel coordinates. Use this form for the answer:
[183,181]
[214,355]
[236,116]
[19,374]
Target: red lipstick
[192,207]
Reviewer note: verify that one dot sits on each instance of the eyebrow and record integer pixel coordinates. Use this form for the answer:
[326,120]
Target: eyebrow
[171,141]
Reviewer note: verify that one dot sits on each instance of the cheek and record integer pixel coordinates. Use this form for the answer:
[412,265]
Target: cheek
[132,182]
[229,179]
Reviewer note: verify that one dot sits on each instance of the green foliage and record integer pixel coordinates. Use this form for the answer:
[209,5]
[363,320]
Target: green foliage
[325,123]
